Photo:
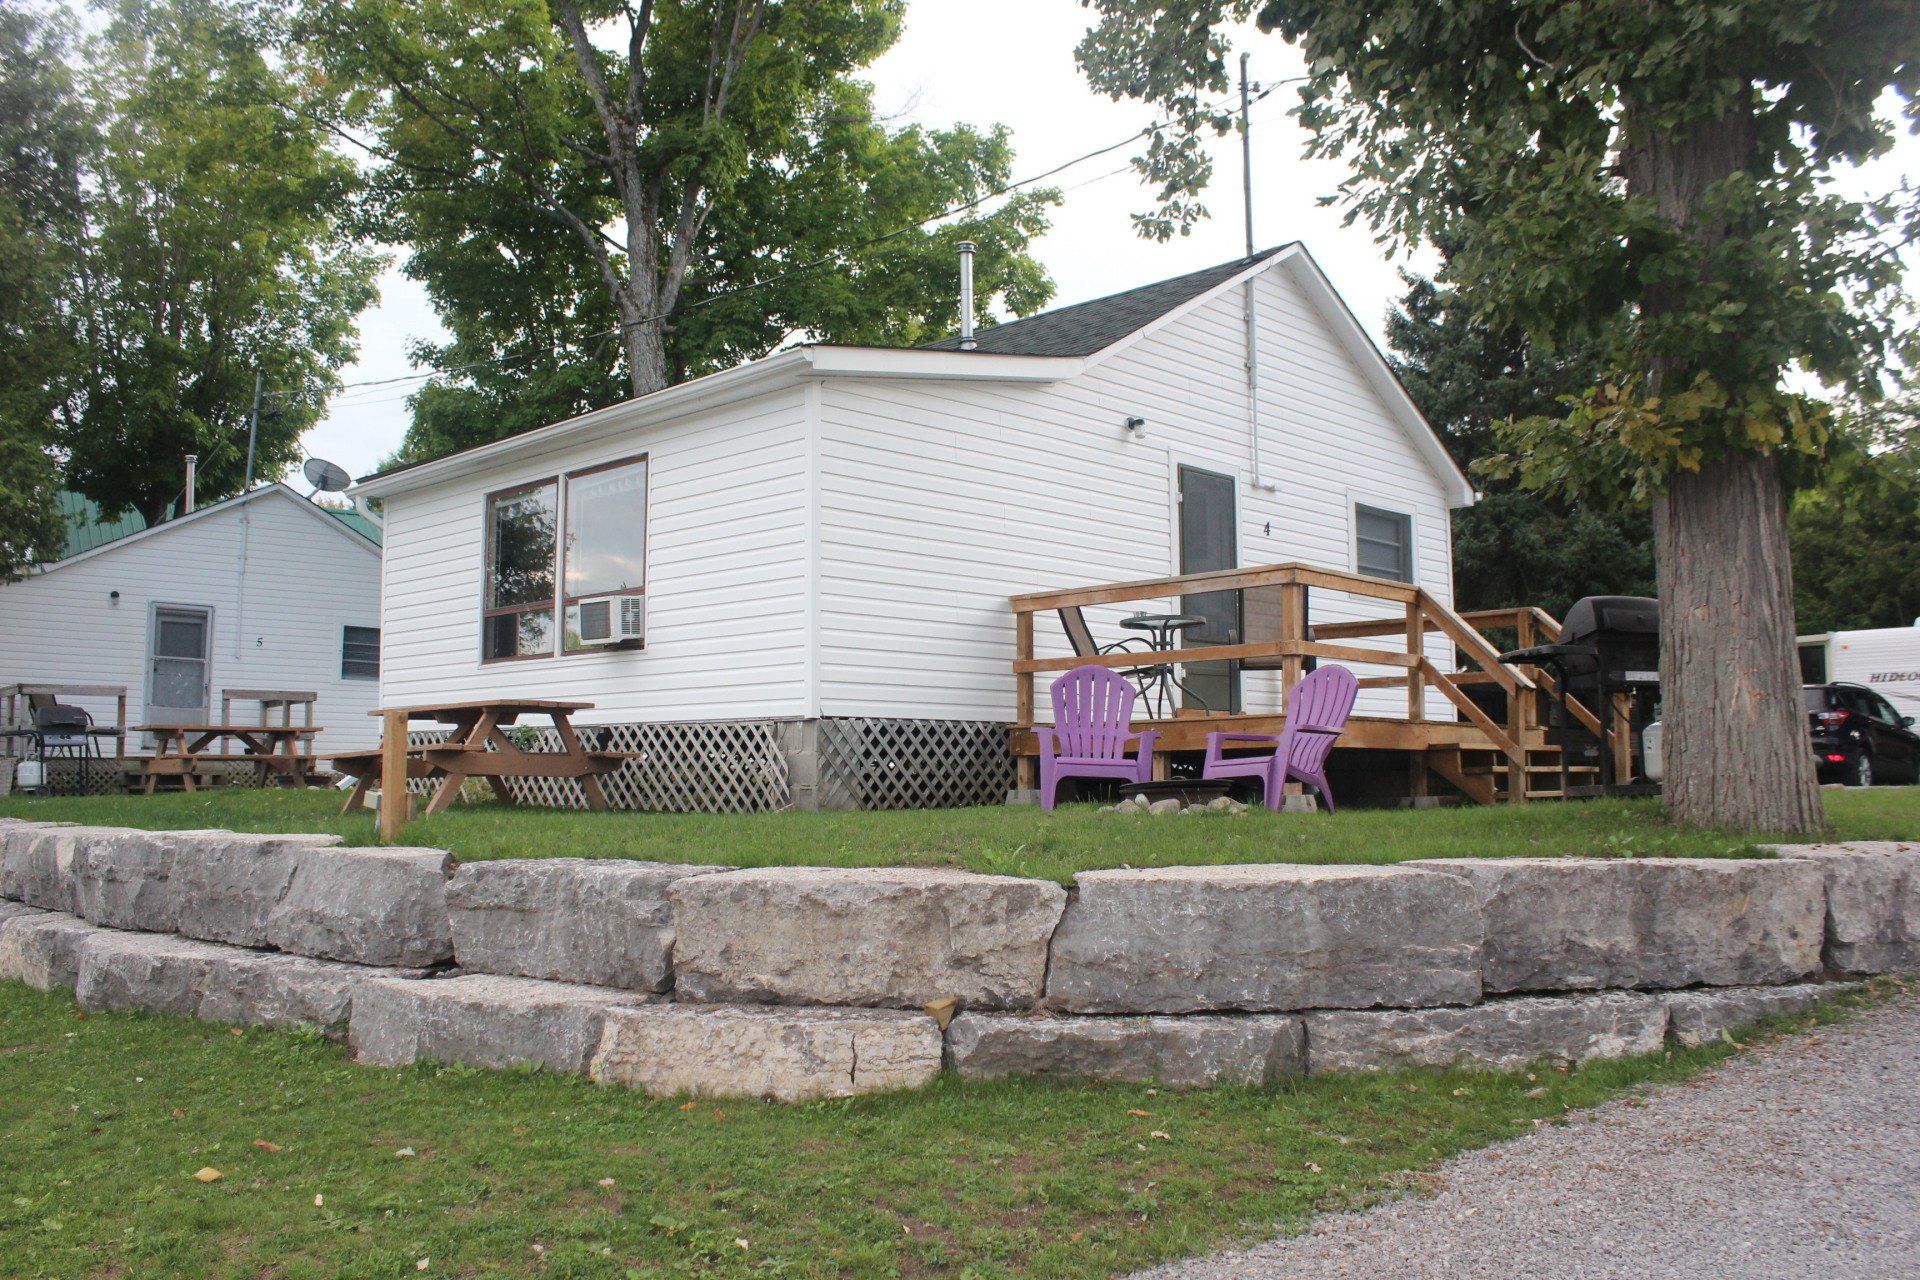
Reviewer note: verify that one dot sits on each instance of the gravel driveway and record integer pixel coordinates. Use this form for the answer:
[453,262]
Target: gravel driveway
[1798,1159]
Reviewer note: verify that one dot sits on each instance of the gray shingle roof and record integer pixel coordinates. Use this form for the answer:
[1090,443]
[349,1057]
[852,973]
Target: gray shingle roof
[1087,327]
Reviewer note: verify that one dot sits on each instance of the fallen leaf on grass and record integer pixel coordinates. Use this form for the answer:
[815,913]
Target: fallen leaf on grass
[209,1174]
[606,1182]
[423,1264]
[1137,1112]
[1164,1137]
[235,1031]
[264,1145]
[406,1153]
[689,1106]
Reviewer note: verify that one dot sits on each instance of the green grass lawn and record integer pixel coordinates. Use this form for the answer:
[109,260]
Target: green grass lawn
[108,1118]
[1011,841]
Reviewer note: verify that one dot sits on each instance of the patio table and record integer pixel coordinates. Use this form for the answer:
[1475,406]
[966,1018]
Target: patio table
[478,746]
[181,751]
[1157,684]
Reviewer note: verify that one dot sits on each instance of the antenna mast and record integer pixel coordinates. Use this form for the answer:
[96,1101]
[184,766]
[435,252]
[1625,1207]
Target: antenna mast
[1246,153]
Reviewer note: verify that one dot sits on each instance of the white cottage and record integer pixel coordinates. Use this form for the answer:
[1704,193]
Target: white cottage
[264,591]
[814,552]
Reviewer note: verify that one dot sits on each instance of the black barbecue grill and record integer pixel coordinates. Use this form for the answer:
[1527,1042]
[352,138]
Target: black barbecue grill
[1608,645]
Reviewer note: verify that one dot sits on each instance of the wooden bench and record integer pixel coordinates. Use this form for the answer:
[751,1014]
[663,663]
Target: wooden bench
[181,751]
[477,747]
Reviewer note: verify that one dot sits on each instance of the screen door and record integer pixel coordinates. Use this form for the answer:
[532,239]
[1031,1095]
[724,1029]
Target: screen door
[1209,539]
[177,666]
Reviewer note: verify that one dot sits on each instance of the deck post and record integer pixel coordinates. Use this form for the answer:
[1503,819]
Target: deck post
[394,800]
[1416,681]
[1026,768]
[1293,628]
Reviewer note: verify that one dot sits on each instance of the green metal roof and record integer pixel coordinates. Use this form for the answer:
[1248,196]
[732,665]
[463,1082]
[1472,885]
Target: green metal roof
[86,530]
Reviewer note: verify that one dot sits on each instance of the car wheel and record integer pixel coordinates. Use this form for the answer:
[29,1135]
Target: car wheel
[1861,775]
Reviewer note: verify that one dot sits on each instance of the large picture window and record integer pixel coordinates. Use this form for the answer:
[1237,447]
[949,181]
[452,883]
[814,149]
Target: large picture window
[521,524]
[560,547]
[605,552]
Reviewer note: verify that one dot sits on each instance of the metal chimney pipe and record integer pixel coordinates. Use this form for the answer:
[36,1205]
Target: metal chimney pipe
[193,465]
[966,248]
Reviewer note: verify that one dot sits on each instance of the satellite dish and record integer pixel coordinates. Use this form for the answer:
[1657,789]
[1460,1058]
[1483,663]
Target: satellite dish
[325,476]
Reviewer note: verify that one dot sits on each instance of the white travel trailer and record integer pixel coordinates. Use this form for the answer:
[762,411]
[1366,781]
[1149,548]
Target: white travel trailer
[1884,659]
[798,570]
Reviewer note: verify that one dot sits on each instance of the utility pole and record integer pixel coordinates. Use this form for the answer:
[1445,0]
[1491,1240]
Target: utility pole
[1246,152]
[253,419]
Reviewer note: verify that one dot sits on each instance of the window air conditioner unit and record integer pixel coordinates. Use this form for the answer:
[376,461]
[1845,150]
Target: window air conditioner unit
[619,620]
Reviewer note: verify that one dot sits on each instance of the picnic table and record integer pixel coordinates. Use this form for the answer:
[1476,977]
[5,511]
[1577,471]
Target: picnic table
[478,746]
[182,751]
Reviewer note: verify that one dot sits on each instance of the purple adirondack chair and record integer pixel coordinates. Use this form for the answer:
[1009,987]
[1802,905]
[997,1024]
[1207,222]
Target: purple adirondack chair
[1316,716]
[1092,724]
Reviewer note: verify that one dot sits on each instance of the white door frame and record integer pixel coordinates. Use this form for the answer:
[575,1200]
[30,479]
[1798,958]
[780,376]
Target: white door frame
[154,609]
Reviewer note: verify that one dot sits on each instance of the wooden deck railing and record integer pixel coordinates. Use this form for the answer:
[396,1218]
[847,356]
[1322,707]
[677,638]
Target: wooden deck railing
[1288,641]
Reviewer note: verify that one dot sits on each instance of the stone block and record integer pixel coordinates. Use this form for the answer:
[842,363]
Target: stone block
[37,864]
[1197,1051]
[789,1055]
[890,936]
[479,1020]
[122,879]
[43,950]
[603,921]
[1499,1035]
[152,971]
[366,906]
[1699,1017]
[1265,938]
[1873,903]
[264,989]
[226,885]
[1572,924]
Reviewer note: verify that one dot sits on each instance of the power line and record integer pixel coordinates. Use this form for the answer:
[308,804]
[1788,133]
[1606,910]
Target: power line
[837,255]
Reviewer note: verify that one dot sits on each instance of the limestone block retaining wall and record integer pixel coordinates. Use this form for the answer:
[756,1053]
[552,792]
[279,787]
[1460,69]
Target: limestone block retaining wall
[802,983]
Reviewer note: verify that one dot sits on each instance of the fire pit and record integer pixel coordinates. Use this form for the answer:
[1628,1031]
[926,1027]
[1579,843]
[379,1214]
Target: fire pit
[1192,793]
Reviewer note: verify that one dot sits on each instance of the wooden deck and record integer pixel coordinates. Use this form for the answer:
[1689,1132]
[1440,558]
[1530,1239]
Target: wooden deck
[1484,759]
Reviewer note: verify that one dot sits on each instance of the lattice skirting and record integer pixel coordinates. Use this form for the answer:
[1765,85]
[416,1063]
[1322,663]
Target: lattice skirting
[913,764]
[756,766]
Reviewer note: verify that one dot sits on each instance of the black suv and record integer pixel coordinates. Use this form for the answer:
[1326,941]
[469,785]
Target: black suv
[1858,737]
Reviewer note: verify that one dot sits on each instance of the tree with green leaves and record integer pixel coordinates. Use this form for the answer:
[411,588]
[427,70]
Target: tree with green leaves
[1653,172]
[591,186]
[214,248]
[1514,546]
[44,139]
[1855,529]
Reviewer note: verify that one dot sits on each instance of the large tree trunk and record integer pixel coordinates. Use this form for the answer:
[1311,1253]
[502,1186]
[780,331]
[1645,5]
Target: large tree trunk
[1736,747]
[1736,751]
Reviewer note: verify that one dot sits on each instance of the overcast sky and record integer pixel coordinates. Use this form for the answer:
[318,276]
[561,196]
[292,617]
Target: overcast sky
[1011,62]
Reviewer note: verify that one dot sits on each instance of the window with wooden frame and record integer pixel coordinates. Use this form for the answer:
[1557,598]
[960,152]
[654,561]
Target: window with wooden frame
[604,556]
[1383,544]
[518,609]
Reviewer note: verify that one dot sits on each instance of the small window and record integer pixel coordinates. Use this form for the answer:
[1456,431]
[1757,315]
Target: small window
[606,543]
[1383,544]
[360,653]
[518,612]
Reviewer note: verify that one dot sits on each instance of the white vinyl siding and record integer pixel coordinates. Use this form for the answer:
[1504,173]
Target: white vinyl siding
[939,500]
[726,572]
[303,583]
